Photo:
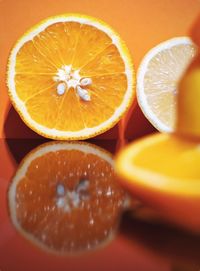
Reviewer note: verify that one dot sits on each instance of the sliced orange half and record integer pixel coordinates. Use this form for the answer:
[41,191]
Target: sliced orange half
[157,80]
[64,197]
[164,171]
[70,77]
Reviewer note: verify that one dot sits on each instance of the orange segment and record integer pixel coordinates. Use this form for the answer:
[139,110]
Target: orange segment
[92,42]
[30,61]
[110,86]
[106,91]
[107,62]
[64,197]
[67,113]
[40,107]
[53,76]
[28,85]
[96,113]
[61,39]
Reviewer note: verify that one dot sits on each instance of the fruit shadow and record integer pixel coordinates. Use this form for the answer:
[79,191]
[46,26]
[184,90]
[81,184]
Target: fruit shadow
[21,139]
[19,148]
[14,127]
[138,125]
[179,247]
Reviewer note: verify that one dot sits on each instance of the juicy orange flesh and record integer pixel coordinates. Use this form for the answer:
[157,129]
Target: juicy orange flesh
[161,79]
[85,48]
[173,157]
[52,226]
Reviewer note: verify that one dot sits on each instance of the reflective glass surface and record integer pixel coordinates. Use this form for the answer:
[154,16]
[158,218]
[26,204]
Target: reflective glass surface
[62,208]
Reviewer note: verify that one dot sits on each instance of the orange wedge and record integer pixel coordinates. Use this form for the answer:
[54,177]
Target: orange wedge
[70,77]
[188,102]
[64,198]
[157,80]
[163,171]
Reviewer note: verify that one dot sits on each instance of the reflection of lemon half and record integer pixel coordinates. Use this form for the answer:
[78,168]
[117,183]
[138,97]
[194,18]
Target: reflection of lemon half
[163,170]
[64,197]
[70,77]
[157,79]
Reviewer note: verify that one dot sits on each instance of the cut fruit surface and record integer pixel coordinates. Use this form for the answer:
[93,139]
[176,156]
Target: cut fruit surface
[163,162]
[157,80]
[163,171]
[64,197]
[70,77]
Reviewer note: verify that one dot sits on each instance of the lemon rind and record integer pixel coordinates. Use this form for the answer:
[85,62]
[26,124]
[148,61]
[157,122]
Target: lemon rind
[141,97]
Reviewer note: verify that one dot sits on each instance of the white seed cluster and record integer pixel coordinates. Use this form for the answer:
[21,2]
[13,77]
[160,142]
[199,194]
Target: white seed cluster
[67,78]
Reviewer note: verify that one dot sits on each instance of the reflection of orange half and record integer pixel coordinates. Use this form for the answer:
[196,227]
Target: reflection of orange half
[64,197]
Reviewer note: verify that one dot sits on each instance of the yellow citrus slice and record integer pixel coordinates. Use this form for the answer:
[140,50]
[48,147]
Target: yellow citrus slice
[163,171]
[70,77]
[157,79]
[64,197]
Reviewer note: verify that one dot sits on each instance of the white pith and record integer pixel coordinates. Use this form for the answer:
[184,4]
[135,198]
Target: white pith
[86,132]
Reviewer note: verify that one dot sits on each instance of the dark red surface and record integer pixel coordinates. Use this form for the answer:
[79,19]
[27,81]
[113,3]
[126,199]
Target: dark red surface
[138,245]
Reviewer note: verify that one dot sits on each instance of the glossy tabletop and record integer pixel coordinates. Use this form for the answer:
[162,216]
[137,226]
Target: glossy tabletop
[136,243]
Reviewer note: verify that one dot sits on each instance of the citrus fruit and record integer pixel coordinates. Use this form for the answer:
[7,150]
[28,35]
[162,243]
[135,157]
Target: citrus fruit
[194,31]
[64,197]
[188,102]
[157,79]
[163,171]
[70,77]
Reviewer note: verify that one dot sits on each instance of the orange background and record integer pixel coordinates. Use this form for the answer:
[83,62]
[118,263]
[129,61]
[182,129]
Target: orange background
[141,23]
